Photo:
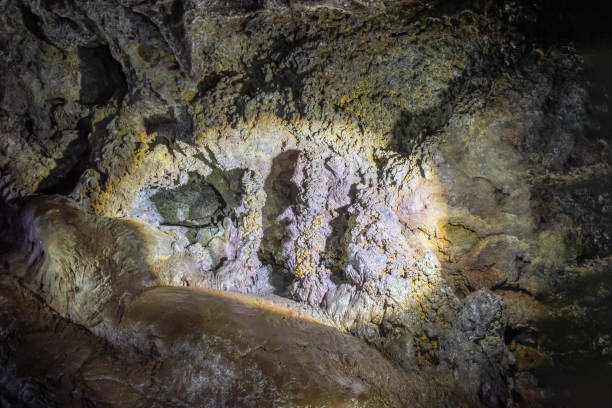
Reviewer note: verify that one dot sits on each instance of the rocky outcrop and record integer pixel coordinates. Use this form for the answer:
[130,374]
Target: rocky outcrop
[428,178]
[210,348]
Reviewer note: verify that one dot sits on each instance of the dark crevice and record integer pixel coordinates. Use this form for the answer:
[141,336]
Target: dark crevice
[174,20]
[96,141]
[176,13]
[76,159]
[228,183]
[170,128]
[9,229]
[335,246]
[208,83]
[525,335]
[235,7]
[567,21]
[34,24]
[101,76]
[29,125]
[165,128]
[281,194]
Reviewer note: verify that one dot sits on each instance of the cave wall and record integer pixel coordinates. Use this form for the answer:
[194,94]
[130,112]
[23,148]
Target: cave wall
[430,178]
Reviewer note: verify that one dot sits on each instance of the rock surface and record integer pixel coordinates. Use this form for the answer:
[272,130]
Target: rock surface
[430,179]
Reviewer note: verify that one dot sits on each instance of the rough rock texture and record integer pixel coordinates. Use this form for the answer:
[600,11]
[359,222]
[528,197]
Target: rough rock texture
[431,178]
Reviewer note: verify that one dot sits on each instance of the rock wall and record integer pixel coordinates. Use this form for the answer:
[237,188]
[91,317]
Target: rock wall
[430,178]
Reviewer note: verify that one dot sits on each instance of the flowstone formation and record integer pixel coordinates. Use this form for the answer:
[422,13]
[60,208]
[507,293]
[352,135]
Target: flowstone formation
[315,203]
